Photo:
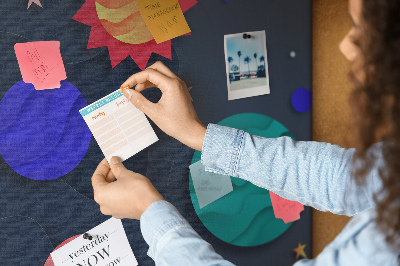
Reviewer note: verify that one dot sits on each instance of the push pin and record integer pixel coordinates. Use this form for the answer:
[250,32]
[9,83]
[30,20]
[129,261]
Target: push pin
[246,36]
[292,54]
[127,87]
[88,236]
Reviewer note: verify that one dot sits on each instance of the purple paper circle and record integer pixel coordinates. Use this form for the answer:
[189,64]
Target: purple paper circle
[42,134]
[302,100]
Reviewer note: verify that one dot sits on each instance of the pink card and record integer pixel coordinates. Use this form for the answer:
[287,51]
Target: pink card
[288,211]
[41,64]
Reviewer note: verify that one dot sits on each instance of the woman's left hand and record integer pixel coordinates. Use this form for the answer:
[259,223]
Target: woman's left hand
[127,197]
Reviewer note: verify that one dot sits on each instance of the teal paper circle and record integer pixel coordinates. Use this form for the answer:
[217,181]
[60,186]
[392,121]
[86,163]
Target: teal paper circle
[245,216]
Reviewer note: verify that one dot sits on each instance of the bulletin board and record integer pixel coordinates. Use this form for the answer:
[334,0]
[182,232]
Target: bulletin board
[36,216]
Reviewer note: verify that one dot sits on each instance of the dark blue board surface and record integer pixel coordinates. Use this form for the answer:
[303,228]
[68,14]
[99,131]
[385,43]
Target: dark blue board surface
[62,212]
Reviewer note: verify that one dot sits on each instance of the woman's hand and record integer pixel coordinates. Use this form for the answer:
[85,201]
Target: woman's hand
[128,196]
[174,113]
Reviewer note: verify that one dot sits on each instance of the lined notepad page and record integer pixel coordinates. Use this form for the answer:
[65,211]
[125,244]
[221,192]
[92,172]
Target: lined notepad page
[118,126]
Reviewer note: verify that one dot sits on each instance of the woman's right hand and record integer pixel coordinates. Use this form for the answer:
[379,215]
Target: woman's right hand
[174,113]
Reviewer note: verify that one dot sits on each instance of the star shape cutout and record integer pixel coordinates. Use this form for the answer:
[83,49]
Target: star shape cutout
[300,251]
[34,1]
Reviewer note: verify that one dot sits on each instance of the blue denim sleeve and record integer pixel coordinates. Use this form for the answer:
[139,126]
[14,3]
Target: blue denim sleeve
[312,173]
[172,241]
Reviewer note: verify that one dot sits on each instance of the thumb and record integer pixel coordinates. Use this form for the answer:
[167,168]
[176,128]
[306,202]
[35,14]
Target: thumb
[116,166]
[138,100]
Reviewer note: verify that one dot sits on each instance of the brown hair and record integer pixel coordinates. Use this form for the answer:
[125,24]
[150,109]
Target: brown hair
[375,103]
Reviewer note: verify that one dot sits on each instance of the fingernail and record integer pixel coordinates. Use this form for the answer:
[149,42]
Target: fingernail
[115,160]
[128,93]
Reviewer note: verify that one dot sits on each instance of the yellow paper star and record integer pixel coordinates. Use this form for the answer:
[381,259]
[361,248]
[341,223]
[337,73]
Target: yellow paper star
[300,251]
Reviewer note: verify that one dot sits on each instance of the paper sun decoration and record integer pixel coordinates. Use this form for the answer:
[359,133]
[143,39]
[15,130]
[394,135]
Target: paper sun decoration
[119,26]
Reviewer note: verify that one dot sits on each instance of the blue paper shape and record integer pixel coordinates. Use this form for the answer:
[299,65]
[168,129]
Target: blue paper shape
[302,100]
[42,134]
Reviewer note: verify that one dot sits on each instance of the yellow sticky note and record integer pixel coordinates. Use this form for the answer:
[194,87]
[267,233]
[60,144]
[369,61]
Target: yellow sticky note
[164,18]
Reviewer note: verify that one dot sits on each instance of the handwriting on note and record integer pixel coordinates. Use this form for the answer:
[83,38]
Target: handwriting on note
[209,186]
[41,64]
[288,211]
[164,18]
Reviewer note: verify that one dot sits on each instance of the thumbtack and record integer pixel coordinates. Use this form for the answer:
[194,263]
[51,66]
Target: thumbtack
[88,236]
[246,36]
[292,54]
[127,87]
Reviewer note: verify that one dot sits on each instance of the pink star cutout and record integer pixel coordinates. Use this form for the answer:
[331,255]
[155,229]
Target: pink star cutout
[34,1]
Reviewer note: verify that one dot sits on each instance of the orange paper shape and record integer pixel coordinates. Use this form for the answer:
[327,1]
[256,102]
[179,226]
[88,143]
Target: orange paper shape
[41,64]
[164,18]
[286,210]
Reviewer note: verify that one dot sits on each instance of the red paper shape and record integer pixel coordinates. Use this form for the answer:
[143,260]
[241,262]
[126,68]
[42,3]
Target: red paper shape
[49,261]
[118,50]
[286,210]
[41,64]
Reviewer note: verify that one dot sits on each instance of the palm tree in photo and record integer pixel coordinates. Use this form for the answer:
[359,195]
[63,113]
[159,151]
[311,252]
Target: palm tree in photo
[255,58]
[239,55]
[263,72]
[230,60]
[247,60]
[262,59]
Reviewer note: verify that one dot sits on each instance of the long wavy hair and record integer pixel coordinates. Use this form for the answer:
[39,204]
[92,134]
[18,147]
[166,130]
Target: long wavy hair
[375,103]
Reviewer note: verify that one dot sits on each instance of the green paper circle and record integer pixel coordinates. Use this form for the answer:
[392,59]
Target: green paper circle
[245,216]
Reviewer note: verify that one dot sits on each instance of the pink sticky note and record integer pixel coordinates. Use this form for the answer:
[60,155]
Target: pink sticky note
[286,210]
[41,64]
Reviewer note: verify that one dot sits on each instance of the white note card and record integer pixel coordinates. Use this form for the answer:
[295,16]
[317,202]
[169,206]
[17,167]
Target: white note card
[209,186]
[108,247]
[118,126]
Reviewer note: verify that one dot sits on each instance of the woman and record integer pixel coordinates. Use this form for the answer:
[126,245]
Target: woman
[360,182]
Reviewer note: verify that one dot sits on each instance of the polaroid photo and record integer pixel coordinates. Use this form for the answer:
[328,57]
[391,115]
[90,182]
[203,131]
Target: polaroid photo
[246,64]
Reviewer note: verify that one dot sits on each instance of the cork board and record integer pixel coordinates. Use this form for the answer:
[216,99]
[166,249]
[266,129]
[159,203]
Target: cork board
[331,89]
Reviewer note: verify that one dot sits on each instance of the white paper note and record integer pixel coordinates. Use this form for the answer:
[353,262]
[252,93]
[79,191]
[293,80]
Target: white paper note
[209,186]
[118,126]
[108,247]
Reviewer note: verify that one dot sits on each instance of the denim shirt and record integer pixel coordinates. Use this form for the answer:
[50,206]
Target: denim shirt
[312,173]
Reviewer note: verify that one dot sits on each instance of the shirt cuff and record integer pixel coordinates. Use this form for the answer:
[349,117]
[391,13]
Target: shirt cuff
[158,219]
[221,150]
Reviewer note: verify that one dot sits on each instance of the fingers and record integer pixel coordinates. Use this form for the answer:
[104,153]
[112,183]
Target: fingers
[117,167]
[149,75]
[110,177]
[99,176]
[143,86]
[163,69]
[160,67]
[139,101]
